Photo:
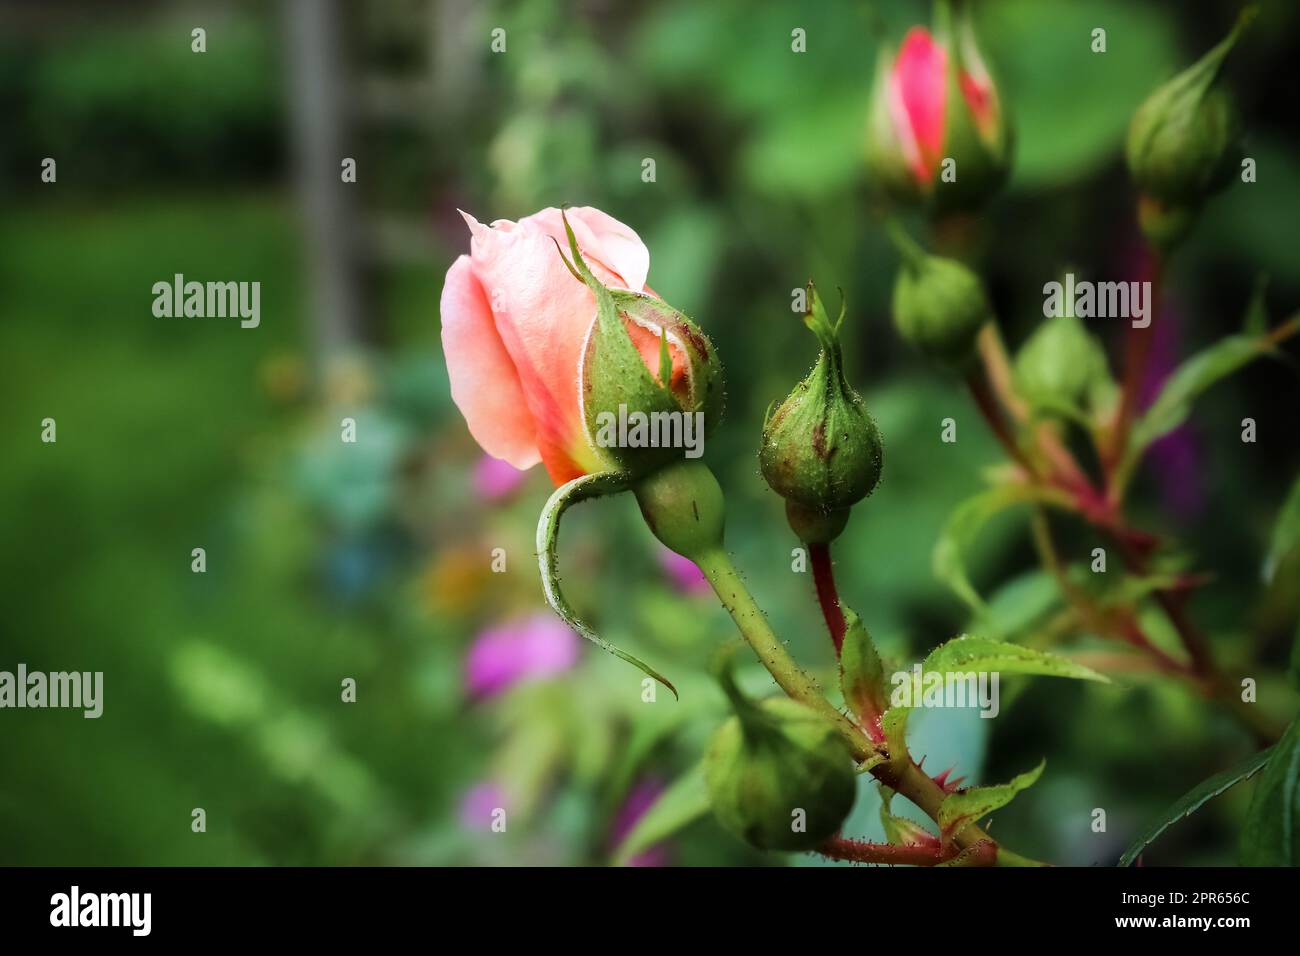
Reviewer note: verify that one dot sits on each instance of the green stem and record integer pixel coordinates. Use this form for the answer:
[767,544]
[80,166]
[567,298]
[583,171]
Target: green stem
[753,626]
[903,776]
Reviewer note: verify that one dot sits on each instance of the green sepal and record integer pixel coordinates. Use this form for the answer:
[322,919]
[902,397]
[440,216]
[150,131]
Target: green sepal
[899,830]
[704,373]
[584,488]
[614,374]
[615,377]
[862,676]
[965,807]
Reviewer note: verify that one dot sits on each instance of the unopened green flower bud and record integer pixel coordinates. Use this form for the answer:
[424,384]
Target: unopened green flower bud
[939,304]
[1183,142]
[820,447]
[1060,365]
[778,774]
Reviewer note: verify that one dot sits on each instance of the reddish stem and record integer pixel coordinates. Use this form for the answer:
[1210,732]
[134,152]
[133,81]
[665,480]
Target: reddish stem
[1172,605]
[988,406]
[861,851]
[827,596]
[1137,345]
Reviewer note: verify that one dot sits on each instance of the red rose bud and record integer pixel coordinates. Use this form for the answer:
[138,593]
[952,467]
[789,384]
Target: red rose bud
[937,132]
[650,380]
[1184,143]
[821,450]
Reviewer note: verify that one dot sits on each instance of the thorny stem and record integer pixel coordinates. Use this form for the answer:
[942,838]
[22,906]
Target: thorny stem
[904,776]
[861,851]
[827,596]
[1123,626]
[984,853]
[1102,509]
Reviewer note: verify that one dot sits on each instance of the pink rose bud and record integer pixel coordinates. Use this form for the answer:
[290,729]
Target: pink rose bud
[519,328]
[937,132]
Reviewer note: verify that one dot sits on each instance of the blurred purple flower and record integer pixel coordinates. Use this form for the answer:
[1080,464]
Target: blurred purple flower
[524,649]
[1174,460]
[495,480]
[479,802]
[639,799]
[682,572]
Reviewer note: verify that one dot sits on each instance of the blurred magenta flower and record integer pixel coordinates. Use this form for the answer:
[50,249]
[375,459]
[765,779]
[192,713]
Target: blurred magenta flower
[683,573]
[639,799]
[524,649]
[479,802]
[496,480]
[1175,459]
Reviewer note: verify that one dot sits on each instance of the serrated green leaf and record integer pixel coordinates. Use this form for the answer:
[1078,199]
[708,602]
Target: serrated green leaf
[862,676]
[685,801]
[875,760]
[959,810]
[1272,833]
[972,653]
[969,653]
[948,560]
[1286,533]
[1194,799]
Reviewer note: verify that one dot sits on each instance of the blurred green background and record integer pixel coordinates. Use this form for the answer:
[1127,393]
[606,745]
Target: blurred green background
[373,561]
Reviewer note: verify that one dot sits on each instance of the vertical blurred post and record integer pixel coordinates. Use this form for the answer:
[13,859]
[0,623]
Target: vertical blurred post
[318,107]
